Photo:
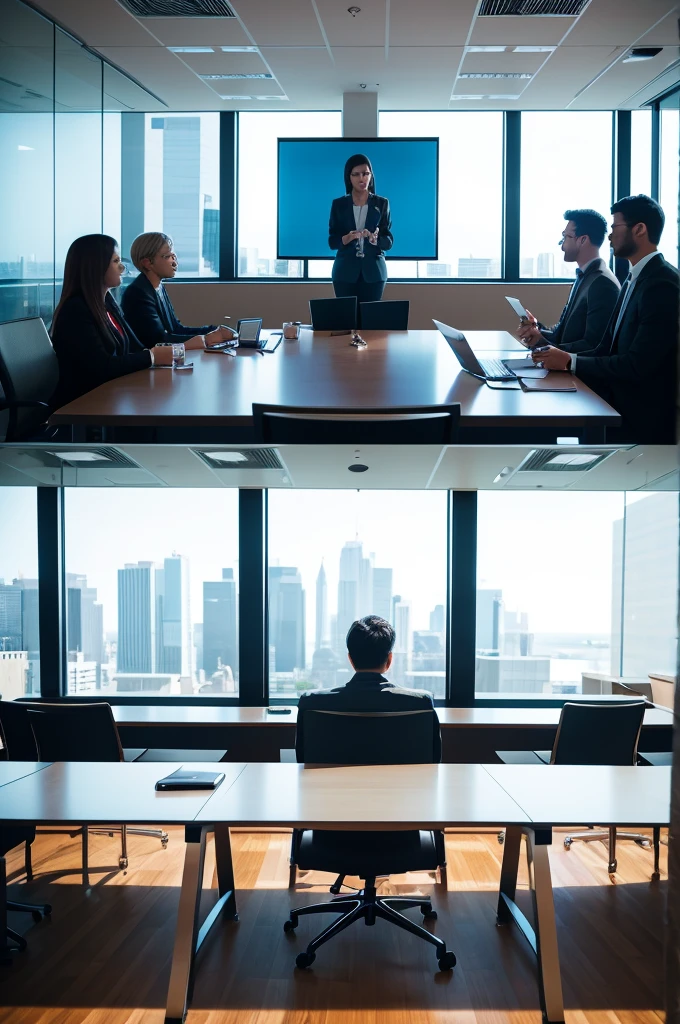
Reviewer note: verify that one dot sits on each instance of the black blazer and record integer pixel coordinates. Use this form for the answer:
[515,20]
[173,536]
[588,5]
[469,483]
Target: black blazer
[348,265]
[366,691]
[636,369]
[151,315]
[584,319]
[85,361]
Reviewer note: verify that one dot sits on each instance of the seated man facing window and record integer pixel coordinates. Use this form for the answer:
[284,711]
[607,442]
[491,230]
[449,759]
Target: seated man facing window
[146,304]
[369,648]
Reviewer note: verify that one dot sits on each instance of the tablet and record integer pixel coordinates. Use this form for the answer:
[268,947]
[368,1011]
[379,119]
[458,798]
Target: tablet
[518,308]
[249,330]
[185,778]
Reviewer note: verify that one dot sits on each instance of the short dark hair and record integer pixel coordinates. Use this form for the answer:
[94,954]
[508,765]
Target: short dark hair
[369,642]
[356,161]
[642,210]
[590,223]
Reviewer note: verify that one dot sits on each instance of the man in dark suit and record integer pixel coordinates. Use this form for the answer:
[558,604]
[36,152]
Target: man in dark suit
[146,304]
[634,366]
[594,292]
[369,649]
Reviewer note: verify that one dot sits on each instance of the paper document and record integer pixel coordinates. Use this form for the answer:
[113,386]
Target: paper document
[517,306]
[553,383]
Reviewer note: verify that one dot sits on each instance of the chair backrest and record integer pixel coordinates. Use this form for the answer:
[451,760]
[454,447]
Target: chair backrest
[598,733]
[29,370]
[369,737]
[333,314]
[288,424]
[16,732]
[390,315]
[75,732]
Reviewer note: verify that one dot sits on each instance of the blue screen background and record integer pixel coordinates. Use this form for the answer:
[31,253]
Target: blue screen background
[311,177]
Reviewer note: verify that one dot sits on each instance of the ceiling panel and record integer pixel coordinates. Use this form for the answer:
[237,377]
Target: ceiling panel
[503,62]
[388,467]
[366,29]
[663,34]
[438,22]
[225,63]
[163,73]
[291,24]
[517,31]
[624,80]
[198,31]
[567,71]
[602,22]
[99,22]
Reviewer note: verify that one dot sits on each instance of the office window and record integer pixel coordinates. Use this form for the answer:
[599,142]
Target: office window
[645,608]
[257,155]
[26,168]
[470,191]
[335,556]
[641,153]
[566,165]
[668,182]
[151,593]
[19,633]
[548,578]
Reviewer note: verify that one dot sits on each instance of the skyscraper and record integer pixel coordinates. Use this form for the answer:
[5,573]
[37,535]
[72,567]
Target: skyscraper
[219,624]
[287,618]
[489,619]
[382,593]
[30,631]
[404,639]
[437,619]
[182,210]
[176,654]
[355,587]
[10,618]
[321,637]
[137,618]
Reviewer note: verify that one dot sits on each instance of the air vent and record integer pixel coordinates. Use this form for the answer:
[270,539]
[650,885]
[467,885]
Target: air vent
[532,8]
[577,460]
[240,458]
[179,8]
[92,458]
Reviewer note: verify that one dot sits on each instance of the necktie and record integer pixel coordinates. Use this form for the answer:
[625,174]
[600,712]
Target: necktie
[572,293]
[619,310]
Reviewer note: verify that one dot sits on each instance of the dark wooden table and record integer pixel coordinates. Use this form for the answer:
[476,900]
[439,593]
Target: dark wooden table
[396,369]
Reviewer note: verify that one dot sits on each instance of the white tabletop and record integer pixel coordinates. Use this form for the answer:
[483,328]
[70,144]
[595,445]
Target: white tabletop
[10,771]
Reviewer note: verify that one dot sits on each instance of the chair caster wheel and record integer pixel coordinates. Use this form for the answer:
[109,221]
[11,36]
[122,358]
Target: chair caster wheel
[447,961]
[656,875]
[122,863]
[164,843]
[289,926]
[305,959]
[501,838]
[567,842]
[47,909]
[36,915]
[428,913]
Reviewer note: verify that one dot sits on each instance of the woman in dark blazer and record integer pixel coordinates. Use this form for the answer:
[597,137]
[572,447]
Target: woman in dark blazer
[92,341]
[146,303]
[360,230]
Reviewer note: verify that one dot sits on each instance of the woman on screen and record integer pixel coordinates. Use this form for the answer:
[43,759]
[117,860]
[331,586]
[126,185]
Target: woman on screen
[360,231]
[91,338]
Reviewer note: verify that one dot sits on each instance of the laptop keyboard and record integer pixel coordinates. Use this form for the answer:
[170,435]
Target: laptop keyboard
[495,368]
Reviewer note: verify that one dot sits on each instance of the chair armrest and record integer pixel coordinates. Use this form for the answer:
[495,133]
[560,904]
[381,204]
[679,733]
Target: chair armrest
[22,403]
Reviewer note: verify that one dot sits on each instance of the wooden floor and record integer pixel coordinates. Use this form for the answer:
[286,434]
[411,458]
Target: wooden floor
[104,956]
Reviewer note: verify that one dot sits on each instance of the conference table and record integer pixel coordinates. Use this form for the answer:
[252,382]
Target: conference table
[397,368]
[526,800]
[469,735]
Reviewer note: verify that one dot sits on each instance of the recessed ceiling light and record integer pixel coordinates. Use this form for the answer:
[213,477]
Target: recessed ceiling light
[81,457]
[215,78]
[459,96]
[572,459]
[253,97]
[642,53]
[496,74]
[238,49]
[533,49]
[485,49]
[227,456]
[501,96]
[191,49]
[270,97]
[506,471]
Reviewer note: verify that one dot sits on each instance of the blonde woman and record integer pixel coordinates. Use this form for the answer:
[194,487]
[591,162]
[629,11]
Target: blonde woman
[146,304]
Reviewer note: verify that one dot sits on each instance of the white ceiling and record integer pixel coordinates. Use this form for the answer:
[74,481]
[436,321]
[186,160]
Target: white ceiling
[410,53]
[422,467]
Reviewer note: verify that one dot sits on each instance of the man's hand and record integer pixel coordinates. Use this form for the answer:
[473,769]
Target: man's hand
[529,332]
[216,337]
[552,358]
[196,341]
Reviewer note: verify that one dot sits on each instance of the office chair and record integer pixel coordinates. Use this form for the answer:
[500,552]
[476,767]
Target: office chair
[68,732]
[333,314]
[341,737]
[29,372]
[9,838]
[595,734]
[418,424]
[384,316]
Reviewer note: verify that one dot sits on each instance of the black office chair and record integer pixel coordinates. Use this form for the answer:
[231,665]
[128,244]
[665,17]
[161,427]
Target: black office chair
[605,734]
[422,424]
[333,314]
[389,315]
[341,737]
[29,373]
[68,732]
[10,837]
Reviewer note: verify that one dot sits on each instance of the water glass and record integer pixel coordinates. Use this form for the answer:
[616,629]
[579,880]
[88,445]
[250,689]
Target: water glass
[178,353]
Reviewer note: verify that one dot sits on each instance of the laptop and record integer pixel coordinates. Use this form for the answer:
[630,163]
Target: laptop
[487,368]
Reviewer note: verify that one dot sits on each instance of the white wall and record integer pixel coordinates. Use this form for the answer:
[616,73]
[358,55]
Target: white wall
[466,306]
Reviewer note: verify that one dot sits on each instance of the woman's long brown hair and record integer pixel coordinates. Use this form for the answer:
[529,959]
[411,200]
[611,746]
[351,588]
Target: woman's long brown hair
[87,262]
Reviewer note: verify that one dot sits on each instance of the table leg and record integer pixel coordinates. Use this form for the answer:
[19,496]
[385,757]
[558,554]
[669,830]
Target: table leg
[224,869]
[187,925]
[549,980]
[509,868]
[5,957]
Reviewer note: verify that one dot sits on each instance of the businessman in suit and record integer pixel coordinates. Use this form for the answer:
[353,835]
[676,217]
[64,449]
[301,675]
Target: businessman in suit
[146,304]
[360,230]
[594,292]
[634,366]
[369,648]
